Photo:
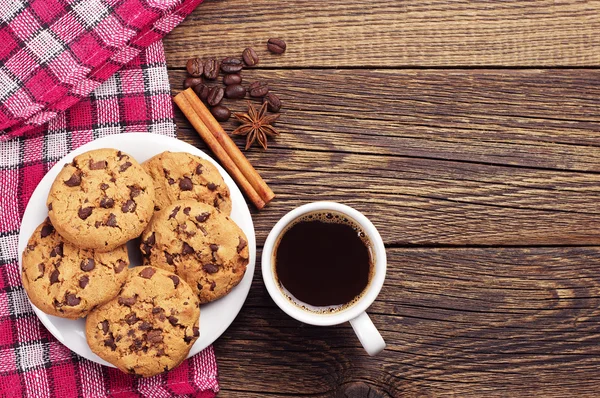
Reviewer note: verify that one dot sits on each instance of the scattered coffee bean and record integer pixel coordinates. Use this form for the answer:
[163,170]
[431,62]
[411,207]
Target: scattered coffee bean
[211,68]
[201,91]
[192,82]
[235,91]
[273,102]
[276,46]
[195,67]
[215,96]
[221,113]
[233,78]
[250,57]
[258,89]
[231,65]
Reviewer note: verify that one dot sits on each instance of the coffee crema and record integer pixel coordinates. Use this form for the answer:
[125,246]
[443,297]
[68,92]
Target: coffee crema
[323,262]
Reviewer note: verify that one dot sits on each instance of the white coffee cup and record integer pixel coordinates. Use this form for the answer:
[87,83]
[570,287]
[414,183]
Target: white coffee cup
[355,313]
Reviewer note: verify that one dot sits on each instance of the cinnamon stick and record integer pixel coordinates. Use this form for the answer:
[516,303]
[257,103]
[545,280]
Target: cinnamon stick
[259,185]
[227,162]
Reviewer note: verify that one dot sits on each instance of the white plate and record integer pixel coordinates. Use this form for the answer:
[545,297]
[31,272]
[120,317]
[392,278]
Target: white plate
[215,317]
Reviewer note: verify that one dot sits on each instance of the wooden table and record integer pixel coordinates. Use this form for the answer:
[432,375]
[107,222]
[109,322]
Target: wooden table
[468,132]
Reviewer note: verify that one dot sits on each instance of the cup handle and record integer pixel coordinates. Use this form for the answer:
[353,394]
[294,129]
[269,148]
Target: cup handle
[367,333]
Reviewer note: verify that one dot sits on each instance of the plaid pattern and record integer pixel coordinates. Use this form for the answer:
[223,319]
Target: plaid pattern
[61,87]
[56,52]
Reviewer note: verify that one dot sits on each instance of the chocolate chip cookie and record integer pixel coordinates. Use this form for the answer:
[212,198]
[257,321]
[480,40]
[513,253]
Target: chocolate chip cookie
[150,327]
[180,176]
[64,280]
[200,244]
[101,200]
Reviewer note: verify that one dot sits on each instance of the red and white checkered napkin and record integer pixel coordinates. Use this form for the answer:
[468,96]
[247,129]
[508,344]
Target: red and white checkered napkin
[70,72]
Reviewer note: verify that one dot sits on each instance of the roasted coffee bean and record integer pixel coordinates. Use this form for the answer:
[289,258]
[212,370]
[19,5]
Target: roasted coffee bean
[195,67]
[211,68]
[220,113]
[231,65]
[276,46]
[215,96]
[234,78]
[273,102]
[201,91]
[192,82]
[258,89]
[250,57]
[235,91]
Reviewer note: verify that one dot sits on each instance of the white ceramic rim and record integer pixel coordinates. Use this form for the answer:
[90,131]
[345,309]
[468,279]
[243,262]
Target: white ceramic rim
[346,314]
[225,309]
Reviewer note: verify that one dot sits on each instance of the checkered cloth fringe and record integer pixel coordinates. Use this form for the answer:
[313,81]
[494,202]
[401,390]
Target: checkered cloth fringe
[70,72]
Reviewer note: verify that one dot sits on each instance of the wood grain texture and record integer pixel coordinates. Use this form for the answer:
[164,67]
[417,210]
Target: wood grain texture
[468,322]
[473,158]
[526,118]
[393,33]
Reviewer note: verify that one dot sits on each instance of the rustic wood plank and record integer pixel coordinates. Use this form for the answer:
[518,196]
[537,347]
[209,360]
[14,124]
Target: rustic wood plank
[529,118]
[391,33]
[497,322]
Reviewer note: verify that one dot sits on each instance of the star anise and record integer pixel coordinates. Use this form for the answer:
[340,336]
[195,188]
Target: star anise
[256,125]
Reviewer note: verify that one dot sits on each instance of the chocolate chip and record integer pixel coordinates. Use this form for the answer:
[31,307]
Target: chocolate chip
[175,280]
[199,169]
[120,266]
[47,229]
[54,277]
[83,281]
[74,180]
[128,301]
[171,181]
[202,217]
[41,268]
[214,247]
[113,179]
[241,245]
[137,345]
[147,272]
[72,299]
[169,258]
[174,212]
[112,220]
[131,332]
[188,339]
[104,186]
[87,265]
[196,331]
[110,342]
[185,184]
[211,186]
[160,352]
[173,320]
[129,206]
[157,310]
[213,284]
[99,165]
[187,249]
[104,326]
[120,155]
[186,211]
[107,203]
[57,251]
[201,228]
[124,166]
[97,224]
[155,336]
[134,191]
[85,212]
[145,326]
[199,286]
[131,318]
[151,240]
[210,268]
[49,206]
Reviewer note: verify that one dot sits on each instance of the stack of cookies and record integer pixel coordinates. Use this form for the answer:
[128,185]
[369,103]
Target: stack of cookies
[143,320]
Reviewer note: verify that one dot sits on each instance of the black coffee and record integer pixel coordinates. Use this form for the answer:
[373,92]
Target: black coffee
[323,259]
